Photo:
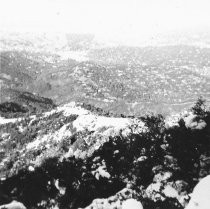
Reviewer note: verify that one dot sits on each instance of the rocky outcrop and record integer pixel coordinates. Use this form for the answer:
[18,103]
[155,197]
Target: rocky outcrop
[193,122]
[13,205]
[122,199]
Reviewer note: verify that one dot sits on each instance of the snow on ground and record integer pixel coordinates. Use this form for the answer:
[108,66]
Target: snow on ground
[169,191]
[116,201]
[102,127]
[37,142]
[192,123]
[201,195]
[68,109]
[93,123]
[13,205]
[173,119]
[131,204]
[9,120]
[101,171]
[80,56]
[72,109]
[62,133]
[85,121]
[14,120]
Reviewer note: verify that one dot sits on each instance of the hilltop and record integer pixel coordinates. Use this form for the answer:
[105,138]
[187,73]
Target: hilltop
[72,157]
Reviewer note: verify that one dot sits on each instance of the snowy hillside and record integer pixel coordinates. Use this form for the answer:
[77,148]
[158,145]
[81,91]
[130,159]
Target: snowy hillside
[71,157]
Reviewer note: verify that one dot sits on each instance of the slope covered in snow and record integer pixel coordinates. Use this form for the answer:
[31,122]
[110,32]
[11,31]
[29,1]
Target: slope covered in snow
[71,157]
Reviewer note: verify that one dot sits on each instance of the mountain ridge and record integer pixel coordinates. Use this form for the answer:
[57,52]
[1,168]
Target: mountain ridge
[74,150]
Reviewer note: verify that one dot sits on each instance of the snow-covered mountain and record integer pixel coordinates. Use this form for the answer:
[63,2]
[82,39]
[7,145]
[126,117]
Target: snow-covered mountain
[72,157]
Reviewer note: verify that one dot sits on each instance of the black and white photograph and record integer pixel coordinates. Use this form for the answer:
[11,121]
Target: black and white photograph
[104,104]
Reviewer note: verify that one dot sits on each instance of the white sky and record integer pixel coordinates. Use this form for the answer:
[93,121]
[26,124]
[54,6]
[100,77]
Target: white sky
[115,17]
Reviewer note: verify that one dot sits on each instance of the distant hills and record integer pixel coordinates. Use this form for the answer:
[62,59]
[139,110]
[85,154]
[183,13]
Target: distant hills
[22,103]
[121,79]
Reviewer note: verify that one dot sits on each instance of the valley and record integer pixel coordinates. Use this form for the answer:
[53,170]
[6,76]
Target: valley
[120,79]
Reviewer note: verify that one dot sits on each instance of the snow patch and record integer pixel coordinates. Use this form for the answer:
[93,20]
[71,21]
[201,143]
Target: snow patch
[31,168]
[200,196]
[101,172]
[192,123]
[8,120]
[72,109]
[80,56]
[62,133]
[93,123]
[131,204]
[169,191]
[13,205]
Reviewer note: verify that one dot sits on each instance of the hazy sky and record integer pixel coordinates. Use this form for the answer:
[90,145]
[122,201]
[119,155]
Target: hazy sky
[116,17]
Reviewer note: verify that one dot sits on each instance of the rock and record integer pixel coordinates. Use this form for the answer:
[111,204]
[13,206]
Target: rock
[13,205]
[181,186]
[31,168]
[162,190]
[162,176]
[201,125]
[131,204]
[192,123]
[200,198]
[153,191]
[114,202]
[189,120]
[171,162]
[169,191]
